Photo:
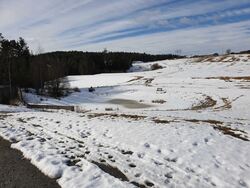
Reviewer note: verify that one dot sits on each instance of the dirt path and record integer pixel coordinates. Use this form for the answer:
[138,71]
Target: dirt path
[16,172]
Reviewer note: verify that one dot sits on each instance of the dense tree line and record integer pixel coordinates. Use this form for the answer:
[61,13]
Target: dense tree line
[79,63]
[19,68]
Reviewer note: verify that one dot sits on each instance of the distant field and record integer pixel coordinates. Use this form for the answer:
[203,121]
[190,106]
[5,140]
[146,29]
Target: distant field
[186,124]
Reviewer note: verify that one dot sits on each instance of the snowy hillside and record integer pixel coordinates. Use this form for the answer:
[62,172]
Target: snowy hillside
[185,125]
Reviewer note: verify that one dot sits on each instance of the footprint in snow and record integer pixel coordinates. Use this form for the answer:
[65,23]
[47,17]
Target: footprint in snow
[157,163]
[169,175]
[190,170]
[242,183]
[149,184]
[132,165]
[141,155]
[206,140]
[84,135]
[146,145]
[195,144]
[137,175]
[173,159]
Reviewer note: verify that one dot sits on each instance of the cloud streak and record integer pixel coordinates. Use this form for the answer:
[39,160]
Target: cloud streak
[162,26]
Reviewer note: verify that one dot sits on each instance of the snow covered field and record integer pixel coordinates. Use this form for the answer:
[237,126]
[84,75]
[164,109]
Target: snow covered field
[186,125]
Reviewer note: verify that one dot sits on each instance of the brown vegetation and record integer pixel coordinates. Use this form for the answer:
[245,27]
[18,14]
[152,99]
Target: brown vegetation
[208,102]
[148,81]
[156,66]
[126,116]
[229,79]
[136,78]
[159,101]
[231,132]
[218,125]
[161,121]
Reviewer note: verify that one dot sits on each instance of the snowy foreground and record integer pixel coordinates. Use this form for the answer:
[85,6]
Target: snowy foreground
[186,125]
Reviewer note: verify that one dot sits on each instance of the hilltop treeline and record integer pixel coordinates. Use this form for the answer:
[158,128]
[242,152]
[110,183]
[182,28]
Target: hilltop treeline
[19,68]
[79,63]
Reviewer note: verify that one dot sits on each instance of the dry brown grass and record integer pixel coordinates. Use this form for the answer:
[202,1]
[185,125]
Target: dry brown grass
[136,78]
[148,81]
[161,121]
[126,116]
[222,58]
[21,120]
[4,116]
[227,104]
[198,60]
[231,132]
[159,101]
[229,79]
[210,121]
[218,125]
[207,103]
[156,66]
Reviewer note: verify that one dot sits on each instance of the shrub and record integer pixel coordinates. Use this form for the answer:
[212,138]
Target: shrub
[57,88]
[156,66]
[76,89]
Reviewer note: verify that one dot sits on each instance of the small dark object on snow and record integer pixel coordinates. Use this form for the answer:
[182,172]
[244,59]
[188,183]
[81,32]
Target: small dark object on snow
[91,89]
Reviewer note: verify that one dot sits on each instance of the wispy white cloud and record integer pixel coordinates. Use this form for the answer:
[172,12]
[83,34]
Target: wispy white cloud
[140,25]
[190,41]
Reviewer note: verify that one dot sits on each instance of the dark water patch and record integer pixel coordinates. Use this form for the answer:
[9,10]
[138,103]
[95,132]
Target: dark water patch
[132,104]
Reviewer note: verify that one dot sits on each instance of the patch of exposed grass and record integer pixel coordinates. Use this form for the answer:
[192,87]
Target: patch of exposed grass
[156,66]
[161,121]
[231,78]
[218,125]
[21,120]
[159,101]
[206,103]
[136,78]
[231,132]
[4,116]
[210,121]
[148,81]
[227,104]
[126,116]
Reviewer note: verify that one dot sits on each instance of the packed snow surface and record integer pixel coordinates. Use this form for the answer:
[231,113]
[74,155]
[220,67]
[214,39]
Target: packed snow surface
[185,125]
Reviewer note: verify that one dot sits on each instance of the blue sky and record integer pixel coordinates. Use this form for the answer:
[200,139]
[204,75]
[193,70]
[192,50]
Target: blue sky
[152,26]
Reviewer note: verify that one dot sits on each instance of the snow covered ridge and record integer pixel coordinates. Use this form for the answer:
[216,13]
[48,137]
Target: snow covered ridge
[185,125]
